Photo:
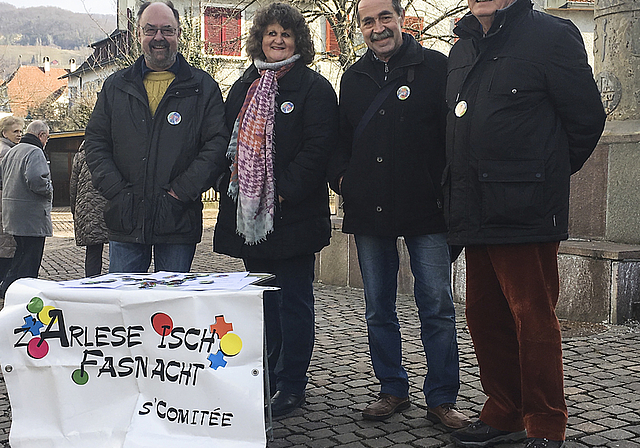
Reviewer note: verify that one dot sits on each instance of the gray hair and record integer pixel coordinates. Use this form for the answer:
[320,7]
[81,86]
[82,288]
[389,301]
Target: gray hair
[395,4]
[37,126]
[10,121]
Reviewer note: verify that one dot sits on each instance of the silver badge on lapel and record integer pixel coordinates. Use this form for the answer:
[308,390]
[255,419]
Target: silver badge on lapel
[174,118]
[403,92]
[287,107]
[461,109]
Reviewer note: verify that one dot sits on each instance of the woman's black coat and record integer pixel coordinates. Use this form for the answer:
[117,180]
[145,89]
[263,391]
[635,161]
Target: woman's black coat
[304,141]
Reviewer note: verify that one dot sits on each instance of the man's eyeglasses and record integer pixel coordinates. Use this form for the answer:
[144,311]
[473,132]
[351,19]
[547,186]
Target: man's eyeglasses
[152,31]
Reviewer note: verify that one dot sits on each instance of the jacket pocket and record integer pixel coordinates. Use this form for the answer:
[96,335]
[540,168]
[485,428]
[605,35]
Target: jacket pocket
[512,192]
[173,216]
[119,213]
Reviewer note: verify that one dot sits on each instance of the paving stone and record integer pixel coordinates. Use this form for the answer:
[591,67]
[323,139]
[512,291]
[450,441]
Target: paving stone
[429,443]
[593,415]
[589,427]
[321,443]
[573,444]
[624,444]
[320,433]
[617,434]
[595,441]
[346,437]
[378,443]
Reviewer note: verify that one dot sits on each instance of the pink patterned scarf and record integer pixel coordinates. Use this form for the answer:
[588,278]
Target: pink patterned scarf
[252,151]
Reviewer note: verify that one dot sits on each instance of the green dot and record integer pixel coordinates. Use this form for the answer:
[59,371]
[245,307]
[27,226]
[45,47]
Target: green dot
[35,305]
[77,377]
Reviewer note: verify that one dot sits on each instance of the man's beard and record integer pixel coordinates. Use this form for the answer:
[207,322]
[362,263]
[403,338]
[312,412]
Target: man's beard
[380,36]
[163,59]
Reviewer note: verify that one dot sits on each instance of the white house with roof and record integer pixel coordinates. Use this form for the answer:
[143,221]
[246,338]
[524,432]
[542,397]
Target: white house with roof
[223,26]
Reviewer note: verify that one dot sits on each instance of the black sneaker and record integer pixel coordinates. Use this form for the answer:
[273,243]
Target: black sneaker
[480,435]
[543,443]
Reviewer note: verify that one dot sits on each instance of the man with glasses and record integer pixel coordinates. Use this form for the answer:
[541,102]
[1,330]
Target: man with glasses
[27,194]
[155,141]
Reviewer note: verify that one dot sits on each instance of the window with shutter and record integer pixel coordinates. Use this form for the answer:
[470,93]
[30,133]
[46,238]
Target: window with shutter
[331,45]
[222,31]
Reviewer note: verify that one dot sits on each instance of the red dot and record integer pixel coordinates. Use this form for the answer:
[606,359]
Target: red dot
[162,323]
[37,350]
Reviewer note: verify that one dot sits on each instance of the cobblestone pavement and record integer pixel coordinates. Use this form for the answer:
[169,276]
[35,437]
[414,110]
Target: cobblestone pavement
[602,370]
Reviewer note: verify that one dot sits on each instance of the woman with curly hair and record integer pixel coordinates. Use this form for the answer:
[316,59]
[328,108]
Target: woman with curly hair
[274,206]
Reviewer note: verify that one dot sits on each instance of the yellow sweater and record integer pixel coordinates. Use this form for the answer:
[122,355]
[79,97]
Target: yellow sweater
[156,84]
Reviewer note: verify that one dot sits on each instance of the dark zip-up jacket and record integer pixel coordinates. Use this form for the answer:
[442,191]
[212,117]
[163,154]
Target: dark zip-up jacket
[391,183]
[533,116]
[136,158]
[305,136]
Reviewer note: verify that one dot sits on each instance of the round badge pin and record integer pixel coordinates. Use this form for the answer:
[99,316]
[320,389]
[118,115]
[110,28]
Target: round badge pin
[403,92]
[461,109]
[287,107]
[174,118]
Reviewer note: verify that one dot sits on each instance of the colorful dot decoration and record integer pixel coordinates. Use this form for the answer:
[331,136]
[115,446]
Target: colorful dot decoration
[230,344]
[78,378]
[162,323]
[43,315]
[35,305]
[37,348]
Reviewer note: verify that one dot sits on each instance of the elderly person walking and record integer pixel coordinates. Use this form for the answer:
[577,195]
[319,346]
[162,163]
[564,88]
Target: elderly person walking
[26,202]
[10,134]
[274,210]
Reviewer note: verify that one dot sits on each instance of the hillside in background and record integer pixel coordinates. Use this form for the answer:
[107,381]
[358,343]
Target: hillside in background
[46,25]
[27,35]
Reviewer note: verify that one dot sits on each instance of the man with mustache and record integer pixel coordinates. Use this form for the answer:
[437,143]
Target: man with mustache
[388,168]
[155,141]
[524,114]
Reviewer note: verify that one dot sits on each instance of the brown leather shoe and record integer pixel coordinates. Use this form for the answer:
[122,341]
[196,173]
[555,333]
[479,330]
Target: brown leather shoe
[385,407]
[449,416]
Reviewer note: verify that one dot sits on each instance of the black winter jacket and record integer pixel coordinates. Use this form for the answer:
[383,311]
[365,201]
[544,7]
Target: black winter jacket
[136,158]
[391,183]
[533,116]
[304,140]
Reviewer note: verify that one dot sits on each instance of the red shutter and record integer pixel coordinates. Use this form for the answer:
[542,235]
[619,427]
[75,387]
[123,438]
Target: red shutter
[331,44]
[212,31]
[231,34]
[222,30]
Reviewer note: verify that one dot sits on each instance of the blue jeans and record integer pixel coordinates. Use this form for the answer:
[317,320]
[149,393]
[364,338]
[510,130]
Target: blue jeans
[289,319]
[133,257]
[431,268]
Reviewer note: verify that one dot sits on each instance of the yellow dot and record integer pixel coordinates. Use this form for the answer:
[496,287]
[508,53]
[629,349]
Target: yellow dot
[230,344]
[44,314]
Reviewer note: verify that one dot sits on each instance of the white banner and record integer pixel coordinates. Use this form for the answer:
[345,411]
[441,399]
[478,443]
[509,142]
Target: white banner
[133,367]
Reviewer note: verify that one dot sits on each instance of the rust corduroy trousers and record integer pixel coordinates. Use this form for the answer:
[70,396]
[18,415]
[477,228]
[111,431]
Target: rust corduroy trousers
[512,292]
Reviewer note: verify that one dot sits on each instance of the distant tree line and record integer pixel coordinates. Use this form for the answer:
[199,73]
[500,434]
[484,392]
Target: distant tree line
[50,26]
